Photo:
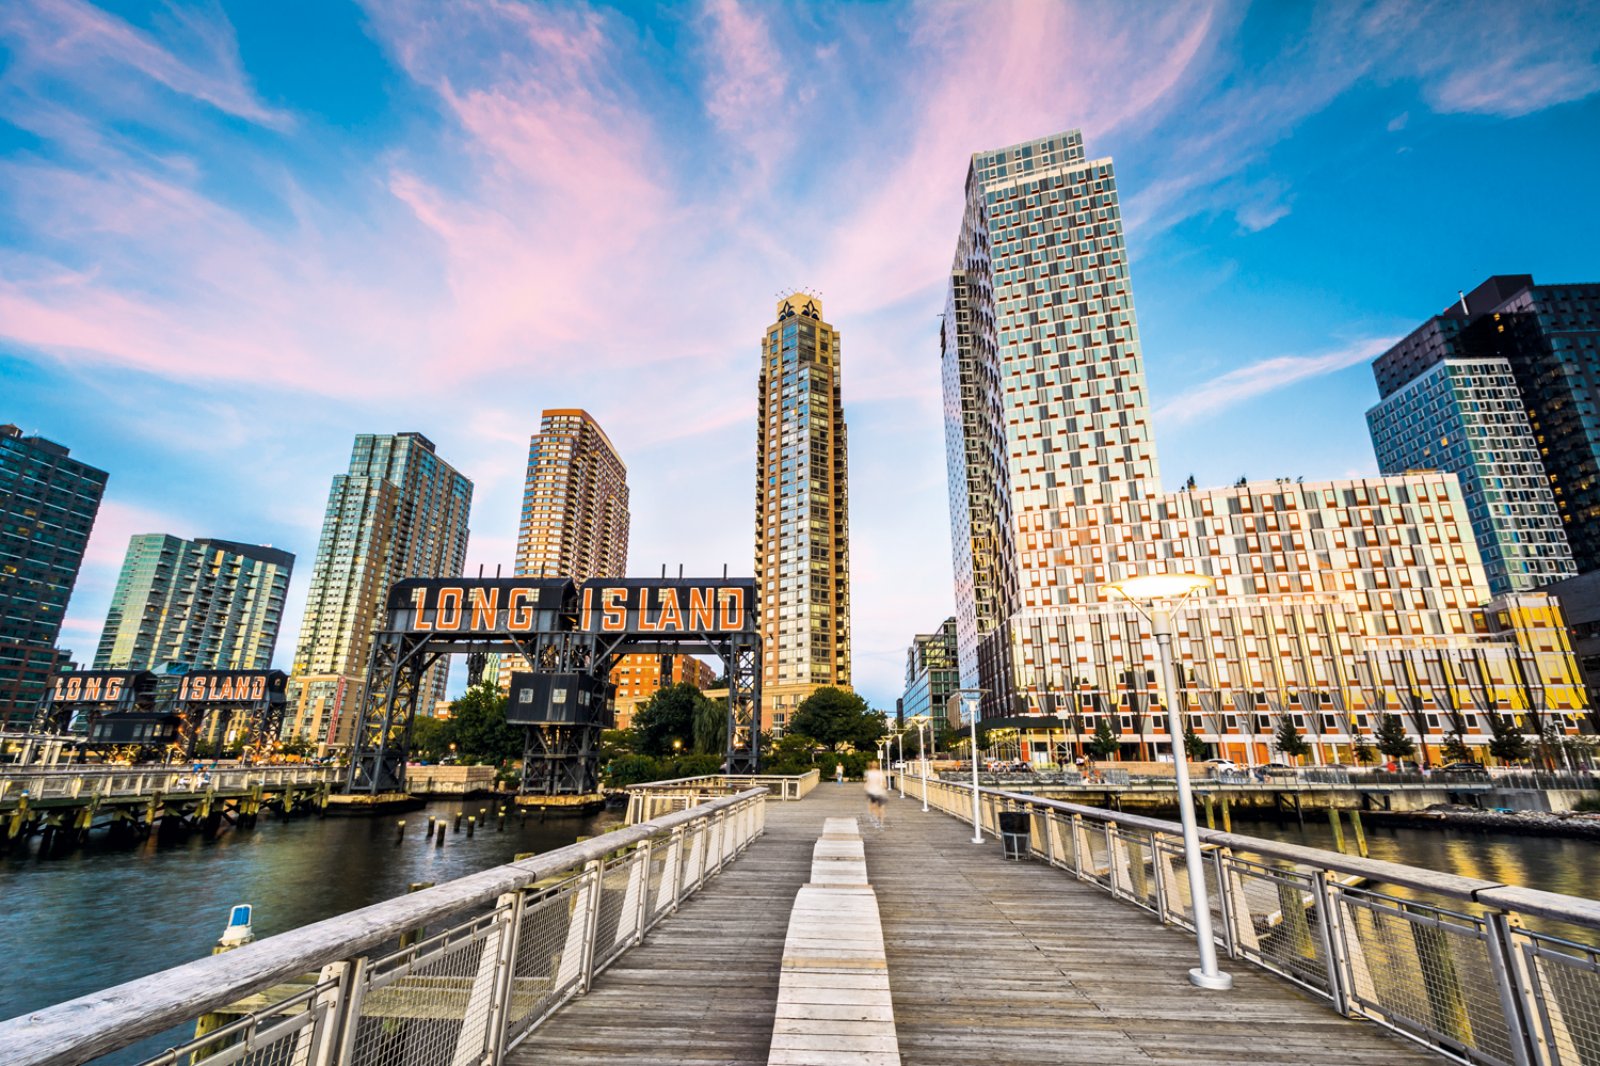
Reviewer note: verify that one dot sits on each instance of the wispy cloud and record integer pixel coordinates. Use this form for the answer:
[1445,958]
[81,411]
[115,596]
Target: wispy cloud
[1267,375]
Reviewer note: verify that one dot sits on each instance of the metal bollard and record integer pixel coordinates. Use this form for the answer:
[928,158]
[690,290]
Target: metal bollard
[472,824]
[458,821]
[400,832]
[439,840]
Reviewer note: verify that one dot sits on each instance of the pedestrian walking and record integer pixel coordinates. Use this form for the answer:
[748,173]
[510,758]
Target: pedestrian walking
[838,773]
[877,792]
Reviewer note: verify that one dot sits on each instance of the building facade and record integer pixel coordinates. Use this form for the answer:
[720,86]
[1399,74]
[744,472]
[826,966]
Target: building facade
[933,674]
[1334,602]
[575,502]
[48,504]
[210,604]
[802,544]
[400,511]
[1445,408]
[641,675]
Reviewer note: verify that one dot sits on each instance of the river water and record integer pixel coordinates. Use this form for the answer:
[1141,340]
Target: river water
[80,922]
[74,924]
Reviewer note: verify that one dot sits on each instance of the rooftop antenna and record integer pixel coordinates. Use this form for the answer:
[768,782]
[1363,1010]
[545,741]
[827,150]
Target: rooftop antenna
[1463,297]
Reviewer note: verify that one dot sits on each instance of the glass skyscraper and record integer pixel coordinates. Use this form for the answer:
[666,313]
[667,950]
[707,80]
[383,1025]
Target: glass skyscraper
[932,674]
[802,510]
[1444,409]
[1333,601]
[210,604]
[48,504]
[399,512]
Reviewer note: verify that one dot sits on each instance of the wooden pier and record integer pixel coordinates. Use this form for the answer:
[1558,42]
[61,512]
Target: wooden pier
[989,962]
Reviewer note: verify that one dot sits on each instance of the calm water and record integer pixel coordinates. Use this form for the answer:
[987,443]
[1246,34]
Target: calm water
[97,917]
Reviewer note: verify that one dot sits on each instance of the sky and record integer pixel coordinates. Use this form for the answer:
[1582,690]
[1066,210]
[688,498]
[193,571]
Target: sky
[235,234]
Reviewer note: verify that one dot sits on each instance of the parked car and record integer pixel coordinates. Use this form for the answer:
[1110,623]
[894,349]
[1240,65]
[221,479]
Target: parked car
[1219,765]
[1279,769]
[1465,769]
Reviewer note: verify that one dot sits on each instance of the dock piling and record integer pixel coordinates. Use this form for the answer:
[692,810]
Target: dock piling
[1338,829]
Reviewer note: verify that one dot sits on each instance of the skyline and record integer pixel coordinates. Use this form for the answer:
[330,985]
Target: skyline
[419,229]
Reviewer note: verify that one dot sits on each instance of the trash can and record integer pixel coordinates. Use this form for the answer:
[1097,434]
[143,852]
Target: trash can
[1014,834]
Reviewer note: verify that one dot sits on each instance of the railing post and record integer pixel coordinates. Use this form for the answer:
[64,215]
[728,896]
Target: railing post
[667,890]
[639,891]
[1080,845]
[595,870]
[1338,940]
[349,1025]
[1238,929]
[1519,1010]
[483,1019]
[1161,868]
[1325,930]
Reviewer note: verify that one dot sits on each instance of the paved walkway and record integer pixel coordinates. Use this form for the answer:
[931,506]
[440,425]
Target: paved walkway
[990,963]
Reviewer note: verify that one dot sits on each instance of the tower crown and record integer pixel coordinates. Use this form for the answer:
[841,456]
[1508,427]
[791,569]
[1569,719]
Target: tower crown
[800,305]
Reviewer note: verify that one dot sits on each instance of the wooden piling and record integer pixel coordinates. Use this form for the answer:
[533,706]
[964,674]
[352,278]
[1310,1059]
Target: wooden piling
[1359,832]
[1227,818]
[400,831]
[1211,812]
[1338,829]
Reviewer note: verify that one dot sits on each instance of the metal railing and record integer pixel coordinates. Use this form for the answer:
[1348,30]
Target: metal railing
[1447,961]
[378,987]
[651,799]
[111,781]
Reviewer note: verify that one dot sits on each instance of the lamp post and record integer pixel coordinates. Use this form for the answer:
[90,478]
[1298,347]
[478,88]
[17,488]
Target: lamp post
[922,757]
[1157,593]
[900,762]
[969,699]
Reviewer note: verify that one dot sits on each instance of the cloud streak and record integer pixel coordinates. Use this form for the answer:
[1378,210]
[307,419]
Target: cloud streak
[1266,376]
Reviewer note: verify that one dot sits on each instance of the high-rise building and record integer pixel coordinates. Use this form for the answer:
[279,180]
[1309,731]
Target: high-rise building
[574,501]
[1334,602]
[399,512]
[210,604]
[932,674]
[802,511]
[1449,402]
[48,504]
[641,675]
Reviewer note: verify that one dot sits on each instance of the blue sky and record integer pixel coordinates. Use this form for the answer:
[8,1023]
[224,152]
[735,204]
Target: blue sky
[233,235]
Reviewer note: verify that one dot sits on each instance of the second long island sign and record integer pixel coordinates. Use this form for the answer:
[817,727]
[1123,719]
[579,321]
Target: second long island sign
[646,608]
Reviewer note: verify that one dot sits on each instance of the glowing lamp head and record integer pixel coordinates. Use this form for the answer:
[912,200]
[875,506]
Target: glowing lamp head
[1150,587]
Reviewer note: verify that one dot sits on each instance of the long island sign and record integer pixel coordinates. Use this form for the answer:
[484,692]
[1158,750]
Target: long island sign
[645,608]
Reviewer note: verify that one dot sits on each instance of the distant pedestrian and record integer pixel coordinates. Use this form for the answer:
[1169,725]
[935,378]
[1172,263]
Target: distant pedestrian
[838,773]
[877,792]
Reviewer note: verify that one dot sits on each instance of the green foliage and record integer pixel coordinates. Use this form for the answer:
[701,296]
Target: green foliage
[295,745]
[479,728]
[794,753]
[625,770]
[1194,748]
[1456,749]
[710,726]
[1508,743]
[1289,741]
[831,716]
[1588,805]
[667,716]
[1391,737]
[430,738]
[1104,744]
[1362,752]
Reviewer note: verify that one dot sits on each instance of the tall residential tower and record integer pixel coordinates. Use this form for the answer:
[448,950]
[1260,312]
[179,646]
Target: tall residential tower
[1334,602]
[399,512]
[574,501]
[802,511]
[211,604]
[48,504]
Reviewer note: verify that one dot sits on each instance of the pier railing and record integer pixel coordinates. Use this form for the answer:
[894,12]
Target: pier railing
[1448,961]
[455,974]
[64,783]
[652,799]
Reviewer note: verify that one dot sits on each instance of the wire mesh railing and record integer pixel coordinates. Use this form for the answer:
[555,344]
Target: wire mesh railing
[1447,961]
[652,799]
[448,976]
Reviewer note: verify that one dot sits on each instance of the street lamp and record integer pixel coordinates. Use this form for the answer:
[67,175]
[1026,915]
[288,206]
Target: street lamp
[969,699]
[1157,592]
[922,757]
[900,762]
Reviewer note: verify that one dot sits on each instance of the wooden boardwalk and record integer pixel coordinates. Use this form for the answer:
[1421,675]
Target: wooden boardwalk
[990,963]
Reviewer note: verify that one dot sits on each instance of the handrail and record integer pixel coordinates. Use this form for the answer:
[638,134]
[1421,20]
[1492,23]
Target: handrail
[649,798]
[1455,968]
[92,1025]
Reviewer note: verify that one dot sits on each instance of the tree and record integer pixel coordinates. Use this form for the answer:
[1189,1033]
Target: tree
[1455,749]
[1362,752]
[832,716]
[1104,743]
[480,730]
[1289,741]
[1193,747]
[1392,739]
[667,716]
[1508,743]
[431,738]
[710,726]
